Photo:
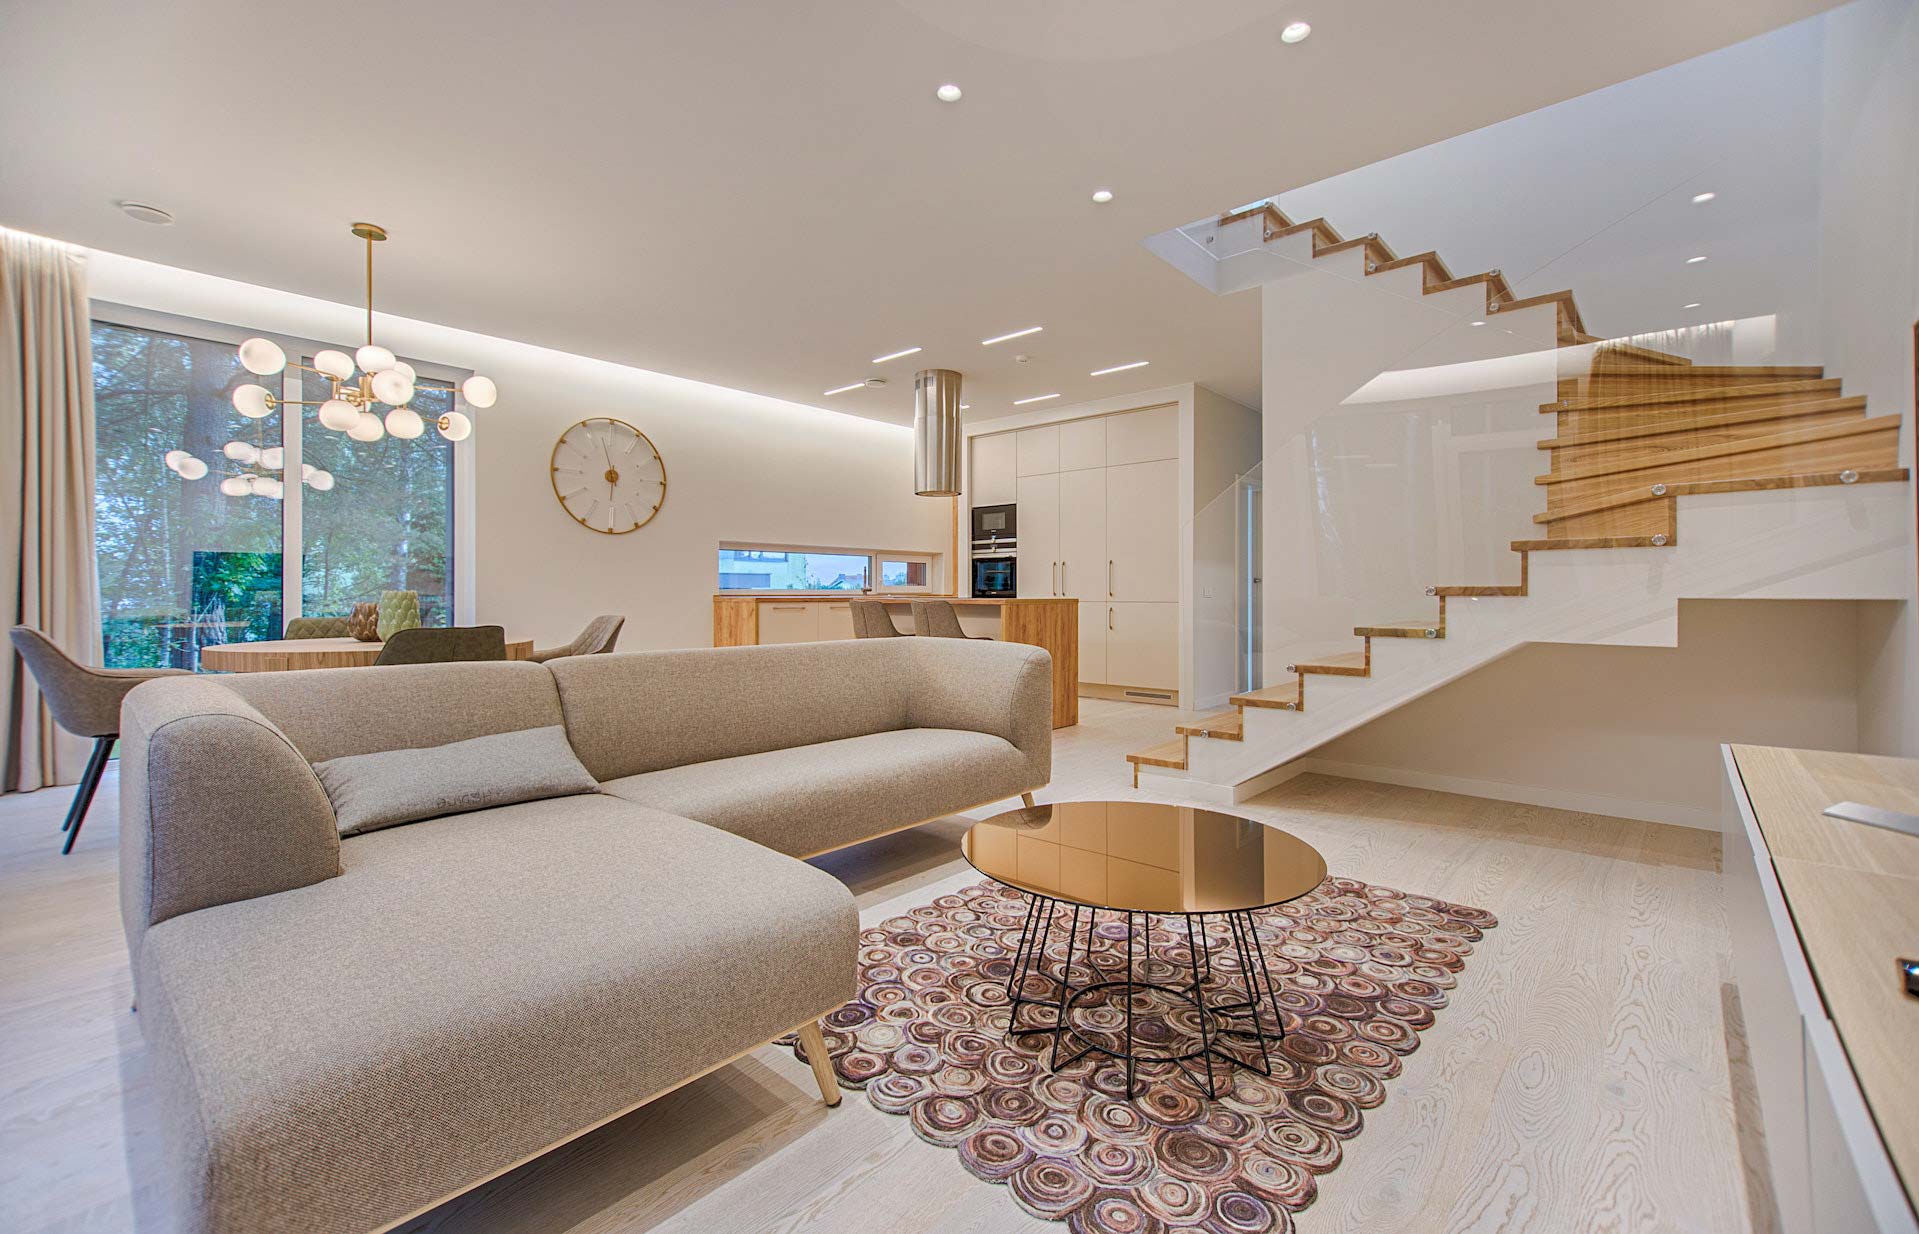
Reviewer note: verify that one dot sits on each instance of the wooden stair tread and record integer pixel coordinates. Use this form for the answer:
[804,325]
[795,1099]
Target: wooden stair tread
[1680,377]
[1694,394]
[1402,629]
[1750,445]
[1224,726]
[1535,546]
[1343,664]
[1167,754]
[1679,424]
[1286,696]
[1481,589]
[1609,351]
[1812,479]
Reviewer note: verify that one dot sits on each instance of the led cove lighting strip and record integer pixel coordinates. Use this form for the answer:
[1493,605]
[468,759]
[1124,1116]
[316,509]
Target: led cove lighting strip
[894,355]
[1118,368]
[1037,398]
[1001,338]
[858,385]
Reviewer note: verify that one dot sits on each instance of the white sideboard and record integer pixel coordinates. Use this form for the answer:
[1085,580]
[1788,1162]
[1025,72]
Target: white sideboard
[1819,910]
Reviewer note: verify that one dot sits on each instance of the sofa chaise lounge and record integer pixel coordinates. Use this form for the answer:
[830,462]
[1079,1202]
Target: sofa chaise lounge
[346,1032]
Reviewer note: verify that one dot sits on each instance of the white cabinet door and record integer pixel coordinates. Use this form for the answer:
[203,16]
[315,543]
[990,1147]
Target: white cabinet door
[1142,436]
[993,482]
[1142,530]
[1092,640]
[789,623]
[1142,648]
[1082,534]
[1038,536]
[1038,451]
[835,620]
[1082,444]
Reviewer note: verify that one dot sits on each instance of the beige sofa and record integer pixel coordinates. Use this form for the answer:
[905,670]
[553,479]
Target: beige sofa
[346,1032]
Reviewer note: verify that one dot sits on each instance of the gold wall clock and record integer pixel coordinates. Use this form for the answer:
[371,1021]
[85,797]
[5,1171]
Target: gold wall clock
[608,476]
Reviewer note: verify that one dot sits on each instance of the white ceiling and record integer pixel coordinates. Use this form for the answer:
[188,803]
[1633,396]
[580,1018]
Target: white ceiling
[767,195]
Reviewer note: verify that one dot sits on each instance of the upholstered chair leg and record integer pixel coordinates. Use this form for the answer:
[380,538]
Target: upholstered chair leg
[89,782]
[815,1047]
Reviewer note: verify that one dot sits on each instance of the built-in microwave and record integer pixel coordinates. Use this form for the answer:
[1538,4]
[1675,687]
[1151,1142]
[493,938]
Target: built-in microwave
[996,577]
[994,528]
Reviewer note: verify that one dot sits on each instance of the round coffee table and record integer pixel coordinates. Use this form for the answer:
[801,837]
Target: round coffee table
[1131,859]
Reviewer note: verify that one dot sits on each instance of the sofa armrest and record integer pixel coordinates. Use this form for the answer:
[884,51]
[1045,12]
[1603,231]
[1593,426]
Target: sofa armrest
[1005,689]
[215,805]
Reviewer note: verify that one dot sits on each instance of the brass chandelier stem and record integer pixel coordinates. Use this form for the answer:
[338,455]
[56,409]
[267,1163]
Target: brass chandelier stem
[369,290]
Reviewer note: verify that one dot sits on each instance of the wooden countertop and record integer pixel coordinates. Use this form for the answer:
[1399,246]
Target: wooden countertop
[1853,892]
[890,598]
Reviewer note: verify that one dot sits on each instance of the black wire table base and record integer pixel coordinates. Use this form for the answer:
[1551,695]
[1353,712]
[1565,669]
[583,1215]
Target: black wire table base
[1225,1011]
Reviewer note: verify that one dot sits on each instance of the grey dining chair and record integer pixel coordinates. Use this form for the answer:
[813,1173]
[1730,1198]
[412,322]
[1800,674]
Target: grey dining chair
[444,645]
[938,619]
[84,701]
[315,627]
[596,640]
[871,620]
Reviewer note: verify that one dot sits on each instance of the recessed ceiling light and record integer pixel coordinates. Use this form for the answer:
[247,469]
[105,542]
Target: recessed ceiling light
[1694,304]
[142,212]
[858,385]
[1001,338]
[1295,32]
[1037,398]
[1102,196]
[1693,261]
[894,355]
[1700,199]
[1118,368]
[948,93]
[966,407]
[1479,323]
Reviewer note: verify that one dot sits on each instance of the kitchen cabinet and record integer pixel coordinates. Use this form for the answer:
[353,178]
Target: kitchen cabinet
[1142,530]
[1082,444]
[1082,534]
[1037,450]
[994,480]
[1092,641]
[1142,436]
[1039,536]
[1142,644]
[835,620]
[789,623]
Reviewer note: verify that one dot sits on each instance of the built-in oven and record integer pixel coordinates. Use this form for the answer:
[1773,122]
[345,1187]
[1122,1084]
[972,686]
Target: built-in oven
[994,527]
[996,577]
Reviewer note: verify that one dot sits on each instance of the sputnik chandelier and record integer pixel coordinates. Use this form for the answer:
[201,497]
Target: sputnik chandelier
[351,406]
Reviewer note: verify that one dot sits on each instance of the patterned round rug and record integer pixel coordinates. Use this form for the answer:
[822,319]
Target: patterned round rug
[1360,971]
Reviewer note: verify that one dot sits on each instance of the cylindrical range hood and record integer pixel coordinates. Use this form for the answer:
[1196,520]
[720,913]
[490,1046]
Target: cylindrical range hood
[936,433]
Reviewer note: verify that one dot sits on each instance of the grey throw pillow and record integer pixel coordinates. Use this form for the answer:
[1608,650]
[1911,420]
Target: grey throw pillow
[371,791]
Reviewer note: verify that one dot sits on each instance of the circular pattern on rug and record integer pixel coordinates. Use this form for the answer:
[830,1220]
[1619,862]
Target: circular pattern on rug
[1360,972]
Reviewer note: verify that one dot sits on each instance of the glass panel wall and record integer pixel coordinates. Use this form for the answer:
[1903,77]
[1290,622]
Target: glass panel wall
[182,565]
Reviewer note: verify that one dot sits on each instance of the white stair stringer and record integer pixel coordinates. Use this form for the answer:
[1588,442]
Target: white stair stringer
[1830,542]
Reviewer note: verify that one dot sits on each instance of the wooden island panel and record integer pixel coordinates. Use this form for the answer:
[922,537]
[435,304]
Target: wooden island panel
[1052,623]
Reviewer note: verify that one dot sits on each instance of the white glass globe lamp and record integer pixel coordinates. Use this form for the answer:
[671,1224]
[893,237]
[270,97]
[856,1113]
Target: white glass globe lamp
[367,428]
[335,364]
[320,481]
[339,415]
[373,358]
[480,391]
[404,422]
[262,356]
[456,426]
[392,387]
[191,468]
[251,401]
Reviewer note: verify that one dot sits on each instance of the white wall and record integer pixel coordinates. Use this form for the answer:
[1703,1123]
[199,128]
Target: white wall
[1631,731]
[1869,282]
[739,466]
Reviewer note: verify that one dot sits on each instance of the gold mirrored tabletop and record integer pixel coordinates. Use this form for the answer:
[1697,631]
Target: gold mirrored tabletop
[1144,857]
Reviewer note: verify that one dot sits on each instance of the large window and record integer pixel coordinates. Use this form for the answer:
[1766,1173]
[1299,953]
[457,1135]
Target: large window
[784,568]
[183,565]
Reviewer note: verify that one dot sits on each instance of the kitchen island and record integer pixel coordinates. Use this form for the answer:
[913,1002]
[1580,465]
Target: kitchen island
[1052,623]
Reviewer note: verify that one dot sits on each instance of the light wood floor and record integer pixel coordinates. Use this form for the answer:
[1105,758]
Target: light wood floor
[1588,1076]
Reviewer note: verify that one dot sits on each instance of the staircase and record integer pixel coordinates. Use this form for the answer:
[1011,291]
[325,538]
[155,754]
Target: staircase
[1635,436]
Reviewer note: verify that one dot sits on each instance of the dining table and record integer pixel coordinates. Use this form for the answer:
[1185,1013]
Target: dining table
[284,654]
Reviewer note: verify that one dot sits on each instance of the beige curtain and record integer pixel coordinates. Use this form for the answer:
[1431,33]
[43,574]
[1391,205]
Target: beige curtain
[46,491]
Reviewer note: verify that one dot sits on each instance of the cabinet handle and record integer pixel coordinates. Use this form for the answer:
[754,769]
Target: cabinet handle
[1109,580]
[1062,578]
[789,608]
[1109,616]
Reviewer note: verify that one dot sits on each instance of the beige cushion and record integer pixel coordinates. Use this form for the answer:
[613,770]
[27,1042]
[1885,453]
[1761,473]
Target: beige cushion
[469,991]
[814,798]
[340,711]
[371,791]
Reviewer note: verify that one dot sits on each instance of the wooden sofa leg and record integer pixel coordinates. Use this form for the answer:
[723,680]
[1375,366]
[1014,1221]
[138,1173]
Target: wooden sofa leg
[1028,799]
[815,1046]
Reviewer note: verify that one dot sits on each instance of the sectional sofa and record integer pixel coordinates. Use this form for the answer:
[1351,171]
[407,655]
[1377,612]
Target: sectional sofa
[344,1032]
